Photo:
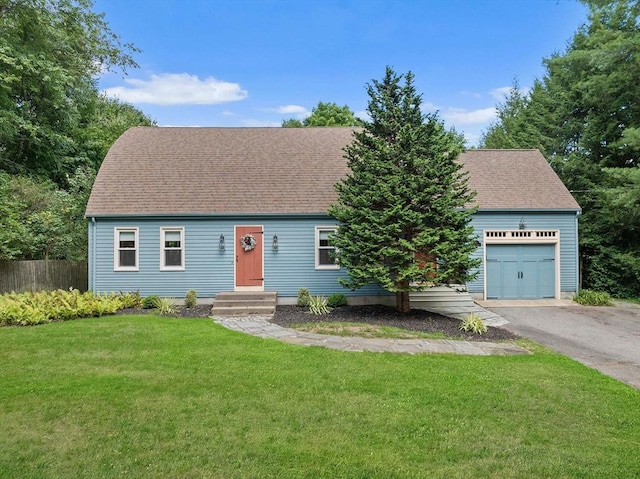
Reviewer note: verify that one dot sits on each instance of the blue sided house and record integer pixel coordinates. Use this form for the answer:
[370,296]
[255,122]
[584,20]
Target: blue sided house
[244,209]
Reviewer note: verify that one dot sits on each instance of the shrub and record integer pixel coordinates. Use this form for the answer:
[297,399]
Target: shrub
[473,323]
[336,300]
[593,298]
[150,302]
[166,306]
[318,305]
[191,298]
[26,309]
[131,300]
[304,297]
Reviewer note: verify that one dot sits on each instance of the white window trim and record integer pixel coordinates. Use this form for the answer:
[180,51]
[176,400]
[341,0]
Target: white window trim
[116,248]
[319,266]
[163,230]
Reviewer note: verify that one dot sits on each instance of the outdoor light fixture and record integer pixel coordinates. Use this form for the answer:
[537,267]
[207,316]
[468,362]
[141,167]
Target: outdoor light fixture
[275,242]
[522,224]
[221,244]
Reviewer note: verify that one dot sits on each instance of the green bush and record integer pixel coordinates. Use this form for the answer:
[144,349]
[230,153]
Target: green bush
[24,309]
[131,300]
[304,297]
[336,300]
[318,305]
[593,298]
[191,298]
[473,323]
[166,306]
[150,302]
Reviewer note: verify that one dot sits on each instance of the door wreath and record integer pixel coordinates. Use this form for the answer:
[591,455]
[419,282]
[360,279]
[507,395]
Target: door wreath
[248,242]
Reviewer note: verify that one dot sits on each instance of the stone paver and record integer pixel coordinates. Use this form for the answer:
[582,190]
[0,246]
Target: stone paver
[261,326]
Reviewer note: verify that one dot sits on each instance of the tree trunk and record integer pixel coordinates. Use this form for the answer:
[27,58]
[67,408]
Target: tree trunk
[402,302]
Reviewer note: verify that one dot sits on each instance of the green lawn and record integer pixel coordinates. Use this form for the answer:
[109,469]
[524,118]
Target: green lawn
[158,397]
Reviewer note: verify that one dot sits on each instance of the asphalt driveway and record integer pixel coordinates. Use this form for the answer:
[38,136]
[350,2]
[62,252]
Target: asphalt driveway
[604,338]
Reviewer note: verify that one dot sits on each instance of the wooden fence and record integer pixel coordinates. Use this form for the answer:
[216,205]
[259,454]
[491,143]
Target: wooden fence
[42,275]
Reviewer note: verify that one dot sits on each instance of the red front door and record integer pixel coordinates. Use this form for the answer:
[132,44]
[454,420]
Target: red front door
[248,249]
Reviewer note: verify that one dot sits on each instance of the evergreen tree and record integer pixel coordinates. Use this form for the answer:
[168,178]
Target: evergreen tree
[404,200]
[584,115]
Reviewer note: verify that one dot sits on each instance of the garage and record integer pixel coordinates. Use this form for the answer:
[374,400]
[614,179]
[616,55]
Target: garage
[521,271]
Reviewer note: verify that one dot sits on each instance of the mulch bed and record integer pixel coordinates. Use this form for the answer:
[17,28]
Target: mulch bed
[416,320]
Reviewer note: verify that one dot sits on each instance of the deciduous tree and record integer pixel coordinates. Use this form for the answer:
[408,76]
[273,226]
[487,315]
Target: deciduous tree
[50,53]
[326,114]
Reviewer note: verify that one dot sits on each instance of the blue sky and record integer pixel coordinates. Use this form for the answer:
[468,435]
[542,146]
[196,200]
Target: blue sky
[257,62]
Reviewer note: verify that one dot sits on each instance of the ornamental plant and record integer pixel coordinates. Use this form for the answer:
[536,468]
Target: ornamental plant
[587,297]
[337,300]
[304,297]
[473,323]
[25,309]
[318,305]
[149,302]
[166,306]
[191,298]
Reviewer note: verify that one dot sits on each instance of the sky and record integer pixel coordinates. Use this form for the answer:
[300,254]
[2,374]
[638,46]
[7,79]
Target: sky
[255,63]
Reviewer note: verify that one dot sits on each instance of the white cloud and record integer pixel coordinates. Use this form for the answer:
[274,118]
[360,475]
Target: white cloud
[460,116]
[500,93]
[429,107]
[503,92]
[291,109]
[178,89]
[471,94]
[363,115]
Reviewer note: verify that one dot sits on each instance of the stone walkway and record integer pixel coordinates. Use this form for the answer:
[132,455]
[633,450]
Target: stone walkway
[261,326]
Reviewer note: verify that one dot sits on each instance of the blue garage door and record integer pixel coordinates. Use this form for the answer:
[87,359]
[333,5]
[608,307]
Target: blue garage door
[521,271]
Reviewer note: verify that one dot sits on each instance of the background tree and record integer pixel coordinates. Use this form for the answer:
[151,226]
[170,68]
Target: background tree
[38,220]
[404,197]
[292,123]
[584,115]
[326,114]
[55,127]
[50,53]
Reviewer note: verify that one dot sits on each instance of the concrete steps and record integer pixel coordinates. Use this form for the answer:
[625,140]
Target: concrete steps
[440,297]
[244,303]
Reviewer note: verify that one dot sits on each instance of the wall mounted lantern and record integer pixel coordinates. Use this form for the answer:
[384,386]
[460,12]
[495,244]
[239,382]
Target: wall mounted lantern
[522,225]
[274,245]
[221,244]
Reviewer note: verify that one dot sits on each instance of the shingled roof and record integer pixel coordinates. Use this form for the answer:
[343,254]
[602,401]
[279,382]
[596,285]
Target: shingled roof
[226,171]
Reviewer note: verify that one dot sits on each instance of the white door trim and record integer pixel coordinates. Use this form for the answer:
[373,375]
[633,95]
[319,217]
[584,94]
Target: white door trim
[521,237]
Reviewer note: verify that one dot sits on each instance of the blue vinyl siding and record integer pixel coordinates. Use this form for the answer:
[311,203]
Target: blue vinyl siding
[209,270]
[565,222]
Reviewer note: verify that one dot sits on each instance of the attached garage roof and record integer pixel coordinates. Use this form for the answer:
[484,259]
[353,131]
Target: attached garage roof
[209,171]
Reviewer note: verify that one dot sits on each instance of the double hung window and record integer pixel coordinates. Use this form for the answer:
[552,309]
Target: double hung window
[172,249]
[125,254]
[325,251]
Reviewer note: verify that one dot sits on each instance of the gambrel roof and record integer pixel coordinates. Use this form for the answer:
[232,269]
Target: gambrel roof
[225,171]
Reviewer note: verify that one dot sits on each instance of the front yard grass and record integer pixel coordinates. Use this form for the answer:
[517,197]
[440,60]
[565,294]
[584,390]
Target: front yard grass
[149,396]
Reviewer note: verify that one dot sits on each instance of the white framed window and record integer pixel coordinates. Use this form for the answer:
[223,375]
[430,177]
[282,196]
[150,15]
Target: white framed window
[125,249]
[172,249]
[325,251]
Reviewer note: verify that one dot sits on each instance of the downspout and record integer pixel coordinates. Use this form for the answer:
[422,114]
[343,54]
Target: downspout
[578,269]
[92,259]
